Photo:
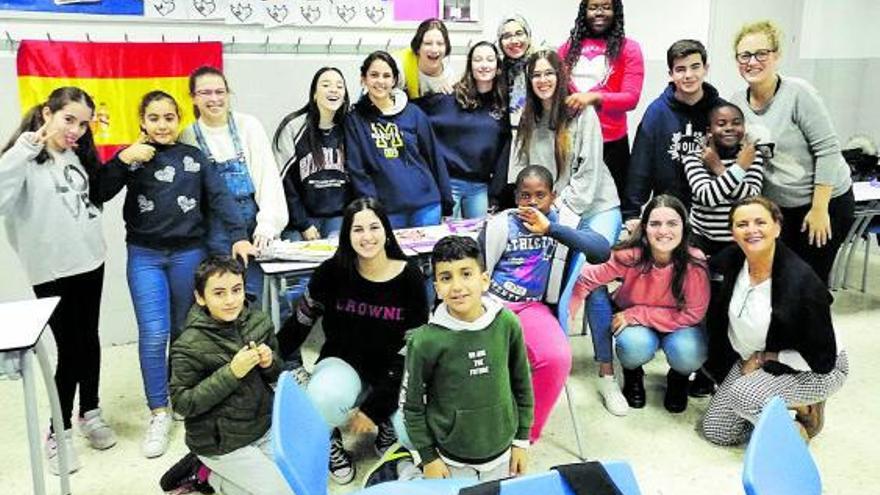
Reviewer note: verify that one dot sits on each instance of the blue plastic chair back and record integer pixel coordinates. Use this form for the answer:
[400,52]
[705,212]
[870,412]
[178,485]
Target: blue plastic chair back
[622,475]
[571,274]
[777,459]
[300,439]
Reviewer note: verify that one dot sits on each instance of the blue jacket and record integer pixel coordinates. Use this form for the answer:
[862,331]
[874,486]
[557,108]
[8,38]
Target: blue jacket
[474,143]
[669,130]
[170,198]
[395,157]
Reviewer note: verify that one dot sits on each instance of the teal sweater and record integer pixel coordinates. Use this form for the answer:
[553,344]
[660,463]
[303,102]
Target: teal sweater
[467,391]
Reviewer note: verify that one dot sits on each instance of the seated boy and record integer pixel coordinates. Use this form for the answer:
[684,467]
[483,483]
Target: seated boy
[222,366]
[467,393]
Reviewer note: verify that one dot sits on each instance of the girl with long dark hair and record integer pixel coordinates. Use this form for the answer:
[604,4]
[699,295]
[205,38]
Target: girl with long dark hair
[310,148]
[607,71]
[48,183]
[662,300]
[369,296]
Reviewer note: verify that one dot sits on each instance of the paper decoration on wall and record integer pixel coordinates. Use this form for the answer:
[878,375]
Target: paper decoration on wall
[116,75]
[278,13]
[245,12]
[166,9]
[205,9]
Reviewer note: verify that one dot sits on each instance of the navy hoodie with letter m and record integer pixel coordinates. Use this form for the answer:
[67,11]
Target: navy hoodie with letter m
[394,157]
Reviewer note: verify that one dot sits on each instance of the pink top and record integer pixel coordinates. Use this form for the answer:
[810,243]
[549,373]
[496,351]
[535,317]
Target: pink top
[620,82]
[646,298]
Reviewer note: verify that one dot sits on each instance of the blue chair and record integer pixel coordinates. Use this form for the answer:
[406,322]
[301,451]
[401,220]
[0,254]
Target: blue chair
[562,315]
[300,439]
[777,459]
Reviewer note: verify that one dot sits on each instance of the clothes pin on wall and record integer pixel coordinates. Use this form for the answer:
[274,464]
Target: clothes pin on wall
[329,44]
[48,37]
[88,38]
[266,45]
[298,42]
[387,44]
[10,41]
[125,37]
[358,48]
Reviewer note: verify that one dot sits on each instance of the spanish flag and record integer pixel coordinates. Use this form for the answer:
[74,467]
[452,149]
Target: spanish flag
[116,75]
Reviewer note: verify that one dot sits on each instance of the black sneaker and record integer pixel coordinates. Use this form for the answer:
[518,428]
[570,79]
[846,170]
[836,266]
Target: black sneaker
[342,470]
[385,438]
[184,477]
[676,398]
[634,387]
[386,469]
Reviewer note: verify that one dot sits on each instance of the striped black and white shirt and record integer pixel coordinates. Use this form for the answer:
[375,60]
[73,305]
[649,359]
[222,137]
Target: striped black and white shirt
[712,196]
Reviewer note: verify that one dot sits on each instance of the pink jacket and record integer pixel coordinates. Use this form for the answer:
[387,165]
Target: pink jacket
[646,298]
[621,86]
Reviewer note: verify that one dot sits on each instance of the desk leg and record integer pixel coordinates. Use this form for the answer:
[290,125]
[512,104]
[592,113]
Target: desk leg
[33,428]
[57,420]
[274,305]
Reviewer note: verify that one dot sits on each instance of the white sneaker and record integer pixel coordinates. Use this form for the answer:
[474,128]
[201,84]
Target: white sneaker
[614,400]
[96,430]
[51,449]
[156,439]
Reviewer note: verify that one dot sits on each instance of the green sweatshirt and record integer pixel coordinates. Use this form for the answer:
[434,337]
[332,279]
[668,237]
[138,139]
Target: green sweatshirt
[467,390]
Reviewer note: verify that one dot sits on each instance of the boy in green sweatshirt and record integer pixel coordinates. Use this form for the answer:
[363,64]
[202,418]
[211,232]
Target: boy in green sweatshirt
[467,394]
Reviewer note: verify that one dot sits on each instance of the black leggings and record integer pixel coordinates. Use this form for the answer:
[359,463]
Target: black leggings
[616,157]
[75,327]
[841,210]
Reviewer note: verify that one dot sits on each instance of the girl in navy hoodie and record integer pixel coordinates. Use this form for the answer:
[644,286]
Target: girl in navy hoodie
[309,147]
[473,132]
[392,152]
[171,190]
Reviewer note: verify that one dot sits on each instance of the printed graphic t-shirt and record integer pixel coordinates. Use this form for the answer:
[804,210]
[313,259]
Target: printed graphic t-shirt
[522,272]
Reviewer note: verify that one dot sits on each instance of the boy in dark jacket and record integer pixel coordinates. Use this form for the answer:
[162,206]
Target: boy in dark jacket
[673,126]
[222,367]
[467,396]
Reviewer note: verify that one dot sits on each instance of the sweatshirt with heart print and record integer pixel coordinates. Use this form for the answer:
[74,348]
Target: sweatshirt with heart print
[170,198]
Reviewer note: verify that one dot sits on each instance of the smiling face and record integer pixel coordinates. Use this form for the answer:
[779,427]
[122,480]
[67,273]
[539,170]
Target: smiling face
[727,127]
[753,71]
[160,121]
[544,79]
[330,91]
[460,284]
[223,296]
[754,229]
[687,75]
[664,231]
[367,235]
[379,80]
[431,52]
[67,125]
[484,65]
[600,15]
[211,97]
[514,40]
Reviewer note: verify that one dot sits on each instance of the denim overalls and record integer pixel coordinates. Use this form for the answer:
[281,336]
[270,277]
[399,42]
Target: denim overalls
[235,173]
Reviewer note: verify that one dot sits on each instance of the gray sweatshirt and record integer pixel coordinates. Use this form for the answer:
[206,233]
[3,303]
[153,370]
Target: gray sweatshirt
[51,223]
[806,150]
[585,185]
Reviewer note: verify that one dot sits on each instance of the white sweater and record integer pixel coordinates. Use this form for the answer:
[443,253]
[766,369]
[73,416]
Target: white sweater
[271,203]
[51,224]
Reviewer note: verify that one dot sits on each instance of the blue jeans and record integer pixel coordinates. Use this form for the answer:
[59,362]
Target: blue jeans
[327,226]
[685,348]
[471,198]
[426,215]
[335,389]
[161,283]
[597,313]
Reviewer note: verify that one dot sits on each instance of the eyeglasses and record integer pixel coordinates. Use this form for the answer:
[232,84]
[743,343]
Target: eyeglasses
[208,92]
[607,7]
[520,34]
[547,74]
[760,56]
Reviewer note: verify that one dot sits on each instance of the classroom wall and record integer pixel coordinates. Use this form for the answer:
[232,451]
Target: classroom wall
[270,85]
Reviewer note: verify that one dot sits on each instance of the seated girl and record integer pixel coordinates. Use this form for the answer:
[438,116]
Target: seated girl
[525,251]
[662,300]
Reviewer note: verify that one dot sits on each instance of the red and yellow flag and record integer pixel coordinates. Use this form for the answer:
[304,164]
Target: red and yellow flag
[116,75]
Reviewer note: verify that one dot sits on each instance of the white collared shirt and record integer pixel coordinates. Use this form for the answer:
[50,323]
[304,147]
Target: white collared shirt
[749,315]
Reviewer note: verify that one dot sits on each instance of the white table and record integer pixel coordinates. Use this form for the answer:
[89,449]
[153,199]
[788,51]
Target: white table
[867,195]
[23,323]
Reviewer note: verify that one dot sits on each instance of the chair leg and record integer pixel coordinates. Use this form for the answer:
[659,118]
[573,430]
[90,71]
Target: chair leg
[574,423]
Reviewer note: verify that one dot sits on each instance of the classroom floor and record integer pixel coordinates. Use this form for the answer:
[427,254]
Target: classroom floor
[666,453]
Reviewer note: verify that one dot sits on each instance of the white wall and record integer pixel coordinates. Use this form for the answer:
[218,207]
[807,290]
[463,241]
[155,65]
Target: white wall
[271,85]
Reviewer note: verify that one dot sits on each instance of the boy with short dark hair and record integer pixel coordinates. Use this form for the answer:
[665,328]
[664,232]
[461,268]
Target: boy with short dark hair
[467,395]
[673,126]
[222,368]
